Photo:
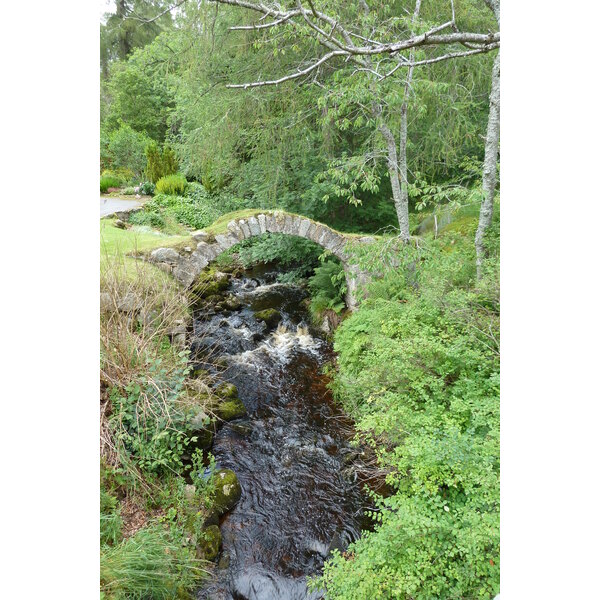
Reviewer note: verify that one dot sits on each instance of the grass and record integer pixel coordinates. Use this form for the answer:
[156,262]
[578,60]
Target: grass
[117,244]
[150,565]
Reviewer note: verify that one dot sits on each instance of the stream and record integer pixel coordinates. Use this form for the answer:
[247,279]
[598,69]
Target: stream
[300,496]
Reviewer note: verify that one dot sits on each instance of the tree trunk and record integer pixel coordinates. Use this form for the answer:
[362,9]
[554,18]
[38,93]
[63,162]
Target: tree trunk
[489,167]
[400,198]
[396,157]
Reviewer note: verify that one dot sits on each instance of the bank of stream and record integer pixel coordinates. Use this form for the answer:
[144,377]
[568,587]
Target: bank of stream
[300,494]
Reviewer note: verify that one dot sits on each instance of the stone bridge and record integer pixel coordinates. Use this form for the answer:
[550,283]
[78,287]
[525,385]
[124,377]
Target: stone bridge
[186,266]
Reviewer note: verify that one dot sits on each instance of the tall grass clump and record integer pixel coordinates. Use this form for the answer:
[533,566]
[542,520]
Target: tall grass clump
[151,565]
[173,185]
[109,181]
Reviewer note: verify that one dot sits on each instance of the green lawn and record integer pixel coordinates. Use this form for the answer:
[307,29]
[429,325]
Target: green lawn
[118,245]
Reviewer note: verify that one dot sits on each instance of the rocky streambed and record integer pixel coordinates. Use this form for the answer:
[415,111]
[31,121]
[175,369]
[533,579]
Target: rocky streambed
[296,495]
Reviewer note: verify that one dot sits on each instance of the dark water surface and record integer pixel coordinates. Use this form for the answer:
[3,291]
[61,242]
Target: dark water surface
[299,497]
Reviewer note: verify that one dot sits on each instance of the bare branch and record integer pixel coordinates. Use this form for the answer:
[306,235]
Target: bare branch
[306,71]
[261,26]
[430,61]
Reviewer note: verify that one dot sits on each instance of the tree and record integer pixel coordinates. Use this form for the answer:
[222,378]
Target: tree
[134,24]
[491,155]
[377,53]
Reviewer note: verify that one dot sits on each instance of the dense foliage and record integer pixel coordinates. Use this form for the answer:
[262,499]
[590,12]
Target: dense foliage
[418,368]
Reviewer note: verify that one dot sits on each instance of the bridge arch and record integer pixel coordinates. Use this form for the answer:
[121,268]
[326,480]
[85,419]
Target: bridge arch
[209,245]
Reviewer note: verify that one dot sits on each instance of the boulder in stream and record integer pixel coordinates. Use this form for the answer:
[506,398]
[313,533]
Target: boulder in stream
[208,543]
[227,490]
[270,316]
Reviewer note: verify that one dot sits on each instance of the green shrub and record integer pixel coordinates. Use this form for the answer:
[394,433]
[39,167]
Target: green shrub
[148,218]
[173,185]
[327,287]
[129,191]
[418,370]
[187,210]
[153,564]
[160,164]
[109,181]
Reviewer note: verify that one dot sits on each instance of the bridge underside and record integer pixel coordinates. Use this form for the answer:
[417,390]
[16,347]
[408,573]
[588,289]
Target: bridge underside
[186,268]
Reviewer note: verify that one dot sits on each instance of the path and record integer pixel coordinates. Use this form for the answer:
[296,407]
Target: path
[110,204]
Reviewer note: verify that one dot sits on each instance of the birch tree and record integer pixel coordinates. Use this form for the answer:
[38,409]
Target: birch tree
[379,52]
[491,155]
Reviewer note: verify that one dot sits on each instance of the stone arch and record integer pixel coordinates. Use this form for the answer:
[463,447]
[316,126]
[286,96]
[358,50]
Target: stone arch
[186,269]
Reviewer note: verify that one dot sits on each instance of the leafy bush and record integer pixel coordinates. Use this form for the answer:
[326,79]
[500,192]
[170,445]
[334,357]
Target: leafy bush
[194,211]
[327,287]
[160,164]
[148,218]
[109,181]
[173,185]
[153,564]
[130,191]
[418,370]
[156,439]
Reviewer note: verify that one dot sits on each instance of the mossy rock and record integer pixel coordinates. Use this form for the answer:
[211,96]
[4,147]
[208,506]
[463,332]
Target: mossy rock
[231,409]
[199,373]
[232,303]
[227,490]
[226,390]
[270,316]
[201,427]
[209,283]
[209,543]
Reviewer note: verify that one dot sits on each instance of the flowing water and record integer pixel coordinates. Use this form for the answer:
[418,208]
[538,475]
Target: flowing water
[299,496]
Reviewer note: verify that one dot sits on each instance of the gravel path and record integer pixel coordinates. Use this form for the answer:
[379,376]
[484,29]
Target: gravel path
[110,205]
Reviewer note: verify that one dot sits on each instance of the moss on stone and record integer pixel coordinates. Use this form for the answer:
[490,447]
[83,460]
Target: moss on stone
[227,490]
[226,390]
[210,282]
[209,542]
[270,316]
[231,409]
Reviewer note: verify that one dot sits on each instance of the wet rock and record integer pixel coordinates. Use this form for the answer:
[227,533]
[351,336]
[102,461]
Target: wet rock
[209,543]
[270,316]
[338,542]
[227,490]
[243,429]
[224,561]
